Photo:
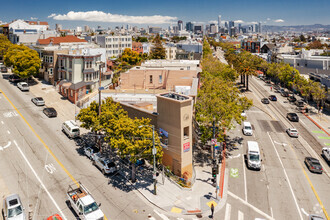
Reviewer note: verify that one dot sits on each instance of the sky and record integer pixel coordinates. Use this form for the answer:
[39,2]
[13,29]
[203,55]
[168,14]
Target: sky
[111,13]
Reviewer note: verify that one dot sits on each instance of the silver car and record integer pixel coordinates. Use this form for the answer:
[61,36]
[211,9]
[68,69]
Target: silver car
[38,101]
[104,164]
[23,86]
[13,208]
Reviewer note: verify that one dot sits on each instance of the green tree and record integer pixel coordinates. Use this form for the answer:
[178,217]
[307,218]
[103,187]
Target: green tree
[206,49]
[157,51]
[319,94]
[4,45]
[302,38]
[24,61]
[220,99]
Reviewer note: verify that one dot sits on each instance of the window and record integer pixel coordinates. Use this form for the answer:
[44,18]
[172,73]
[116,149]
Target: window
[70,64]
[71,92]
[160,79]
[186,132]
[150,78]
[50,71]
[50,59]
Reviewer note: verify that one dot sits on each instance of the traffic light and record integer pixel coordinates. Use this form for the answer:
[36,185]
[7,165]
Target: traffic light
[214,172]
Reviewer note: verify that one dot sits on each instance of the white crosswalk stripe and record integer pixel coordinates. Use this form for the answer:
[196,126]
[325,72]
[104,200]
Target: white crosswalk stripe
[240,215]
[228,210]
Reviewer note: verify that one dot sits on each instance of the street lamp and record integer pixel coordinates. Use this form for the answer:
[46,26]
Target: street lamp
[154,152]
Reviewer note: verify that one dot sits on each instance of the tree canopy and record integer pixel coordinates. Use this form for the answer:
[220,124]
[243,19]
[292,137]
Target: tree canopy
[157,50]
[4,45]
[24,61]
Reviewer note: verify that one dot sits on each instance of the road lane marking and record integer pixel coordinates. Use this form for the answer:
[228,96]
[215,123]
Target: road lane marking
[228,210]
[286,176]
[2,148]
[39,180]
[8,132]
[244,174]
[45,145]
[311,185]
[302,122]
[161,215]
[251,206]
[2,122]
[303,211]
[50,168]
[240,215]
[234,172]
[271,212]
[42,141]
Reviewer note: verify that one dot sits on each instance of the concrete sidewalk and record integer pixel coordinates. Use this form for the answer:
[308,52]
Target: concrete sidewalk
[178,202]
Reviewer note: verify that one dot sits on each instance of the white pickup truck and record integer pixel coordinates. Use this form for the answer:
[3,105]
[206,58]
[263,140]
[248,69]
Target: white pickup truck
[326,153]
[82,202]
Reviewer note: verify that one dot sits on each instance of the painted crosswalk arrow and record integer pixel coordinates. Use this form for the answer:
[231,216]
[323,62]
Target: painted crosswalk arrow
[2,148]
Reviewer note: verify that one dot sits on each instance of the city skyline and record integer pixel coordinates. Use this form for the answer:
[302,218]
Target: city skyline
[164,14]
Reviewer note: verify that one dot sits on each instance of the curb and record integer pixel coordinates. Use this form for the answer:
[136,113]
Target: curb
[315,123]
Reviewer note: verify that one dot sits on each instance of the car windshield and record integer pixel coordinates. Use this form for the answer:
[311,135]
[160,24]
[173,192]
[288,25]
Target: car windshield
[254,157]
[75,130]
[14,211]
[294,130]
[90,208]
[248,128]
[24,85]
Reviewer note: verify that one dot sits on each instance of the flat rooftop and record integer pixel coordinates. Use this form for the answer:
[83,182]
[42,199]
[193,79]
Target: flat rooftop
[175,96]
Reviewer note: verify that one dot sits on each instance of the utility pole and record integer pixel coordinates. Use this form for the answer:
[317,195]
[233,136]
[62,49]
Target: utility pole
[101,64]
[154,151]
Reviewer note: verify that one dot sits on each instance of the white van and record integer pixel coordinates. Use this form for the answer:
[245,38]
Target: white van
[253,155]
[247,128]
[71,129]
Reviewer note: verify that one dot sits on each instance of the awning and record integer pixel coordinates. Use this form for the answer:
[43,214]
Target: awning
[66,85]
[107,73]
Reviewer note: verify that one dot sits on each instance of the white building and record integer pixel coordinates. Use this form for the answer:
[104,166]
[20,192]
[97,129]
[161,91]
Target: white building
[170,52]
[114,45]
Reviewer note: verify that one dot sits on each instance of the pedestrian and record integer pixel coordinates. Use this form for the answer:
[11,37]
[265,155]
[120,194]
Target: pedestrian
[271,88]
[212,210]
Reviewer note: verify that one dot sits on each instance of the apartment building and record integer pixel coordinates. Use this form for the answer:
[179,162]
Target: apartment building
[79,74]
[170,52]
[114,44]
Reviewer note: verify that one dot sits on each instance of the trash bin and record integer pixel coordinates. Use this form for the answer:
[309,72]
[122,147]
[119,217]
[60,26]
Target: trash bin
[86,91]
[306,110]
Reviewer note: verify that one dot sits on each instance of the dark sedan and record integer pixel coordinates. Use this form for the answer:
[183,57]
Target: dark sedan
[284,94]
[292,117]
[272,98]
[292,99]
[50,112]
[265,100]
[14,78]
[313,165]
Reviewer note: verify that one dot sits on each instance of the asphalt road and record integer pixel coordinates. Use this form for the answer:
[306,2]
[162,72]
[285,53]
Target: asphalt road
[284,188]
[39,162]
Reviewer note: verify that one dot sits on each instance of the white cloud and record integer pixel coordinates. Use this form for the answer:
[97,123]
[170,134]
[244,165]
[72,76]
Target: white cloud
[239,22]
[100,16]
[213,22]
[268,19]
[33,18]
[198,22]
[279,20]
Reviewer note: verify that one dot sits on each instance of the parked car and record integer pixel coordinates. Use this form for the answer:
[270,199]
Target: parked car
[89,151]
[14,78]
[55,217]
[104,164]
[300,103]
[292,116]
[292,99]
[13,208]
[4,69]
[272,98]
[313,165]
[265,100]
[315,217]
[23,86]
[277,88]
[326,153]
[50,112]
[292,132]
[38,101]
[284,94]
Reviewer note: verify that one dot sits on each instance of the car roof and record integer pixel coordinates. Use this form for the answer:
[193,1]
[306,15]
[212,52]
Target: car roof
[13,200]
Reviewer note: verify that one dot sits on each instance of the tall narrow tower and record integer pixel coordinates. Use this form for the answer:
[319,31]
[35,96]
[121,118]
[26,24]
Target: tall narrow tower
[219,22]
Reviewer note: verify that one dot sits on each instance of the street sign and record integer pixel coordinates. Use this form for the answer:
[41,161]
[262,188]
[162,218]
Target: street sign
[101,88]
[214,141]
[154,151]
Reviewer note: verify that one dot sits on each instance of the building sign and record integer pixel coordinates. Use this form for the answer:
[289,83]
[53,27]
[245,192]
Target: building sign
[186,147]
[163,136]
